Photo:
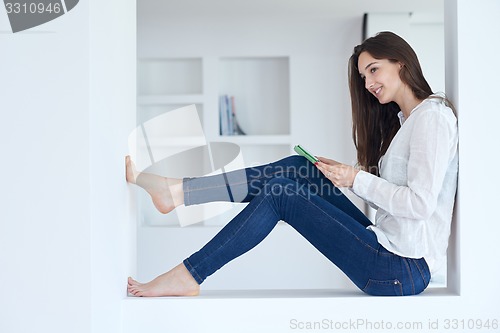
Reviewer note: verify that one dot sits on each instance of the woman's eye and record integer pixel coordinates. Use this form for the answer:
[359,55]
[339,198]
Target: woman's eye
[373,70]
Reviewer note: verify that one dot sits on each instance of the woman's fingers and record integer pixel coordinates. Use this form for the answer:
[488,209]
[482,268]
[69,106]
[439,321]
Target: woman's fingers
[340,175]
[327,160]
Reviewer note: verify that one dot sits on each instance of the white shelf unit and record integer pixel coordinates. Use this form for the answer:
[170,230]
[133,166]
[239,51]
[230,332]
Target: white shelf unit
[165,84]
[261,90]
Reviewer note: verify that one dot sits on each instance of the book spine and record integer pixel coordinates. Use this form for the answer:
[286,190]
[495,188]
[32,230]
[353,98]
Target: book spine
[223,115]
[230,119]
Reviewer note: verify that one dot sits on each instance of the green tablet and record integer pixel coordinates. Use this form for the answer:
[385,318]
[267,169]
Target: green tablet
[302,151]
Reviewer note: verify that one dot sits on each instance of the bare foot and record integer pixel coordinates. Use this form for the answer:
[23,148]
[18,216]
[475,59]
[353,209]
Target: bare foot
[166,193]
[176,282]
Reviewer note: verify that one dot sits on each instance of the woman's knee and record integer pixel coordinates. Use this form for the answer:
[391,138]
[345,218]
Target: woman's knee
[280,183]
[282,188]
[295,160]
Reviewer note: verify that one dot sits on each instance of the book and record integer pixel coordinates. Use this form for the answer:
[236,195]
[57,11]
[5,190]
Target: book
[228,122]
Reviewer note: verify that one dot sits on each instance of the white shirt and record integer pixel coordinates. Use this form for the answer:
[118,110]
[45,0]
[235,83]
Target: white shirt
[415,193]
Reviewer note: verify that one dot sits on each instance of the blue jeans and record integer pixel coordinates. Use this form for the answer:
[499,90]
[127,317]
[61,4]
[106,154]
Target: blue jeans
[295,191]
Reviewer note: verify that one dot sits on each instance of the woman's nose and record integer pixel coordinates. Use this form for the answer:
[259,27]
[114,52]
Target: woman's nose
[368,84]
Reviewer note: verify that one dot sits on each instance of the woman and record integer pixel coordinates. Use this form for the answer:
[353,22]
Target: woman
[406,140]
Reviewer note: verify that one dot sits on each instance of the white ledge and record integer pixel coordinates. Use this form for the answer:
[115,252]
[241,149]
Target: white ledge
[295,294]
[274,311]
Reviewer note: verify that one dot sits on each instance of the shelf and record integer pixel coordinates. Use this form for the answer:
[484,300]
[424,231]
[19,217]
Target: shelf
[261,90]
[274,310]
[255,139]
[170,99]
[185,141]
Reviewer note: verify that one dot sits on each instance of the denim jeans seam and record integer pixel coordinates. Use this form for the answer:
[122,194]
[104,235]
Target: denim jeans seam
[410,276]
[388,254]
[225,185]
[214,187]
[186,190]
[420,270]
[400,285]
[266,197]
[192,270]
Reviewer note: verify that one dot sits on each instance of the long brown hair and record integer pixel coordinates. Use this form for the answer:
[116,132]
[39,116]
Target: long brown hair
[374,124]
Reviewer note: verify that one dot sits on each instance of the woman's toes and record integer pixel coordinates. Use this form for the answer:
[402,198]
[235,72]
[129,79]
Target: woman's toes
[133,291]
[132,282]
[136,292]
[130,172]
[134,287]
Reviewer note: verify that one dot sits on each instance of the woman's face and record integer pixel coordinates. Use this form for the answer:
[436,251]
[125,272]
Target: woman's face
[381,78]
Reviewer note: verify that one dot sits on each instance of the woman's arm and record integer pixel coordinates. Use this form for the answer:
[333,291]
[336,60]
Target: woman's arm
[432,147]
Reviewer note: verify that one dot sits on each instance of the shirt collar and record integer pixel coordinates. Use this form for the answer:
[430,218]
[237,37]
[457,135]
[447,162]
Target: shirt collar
[401,117]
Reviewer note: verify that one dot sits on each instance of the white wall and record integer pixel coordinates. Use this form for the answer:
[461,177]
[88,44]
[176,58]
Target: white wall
[424,31]
[67,105]
[112,104]
[473,89]
[45,209]
[427,39]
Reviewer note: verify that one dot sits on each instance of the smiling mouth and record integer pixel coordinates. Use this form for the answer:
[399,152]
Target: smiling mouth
[376,92]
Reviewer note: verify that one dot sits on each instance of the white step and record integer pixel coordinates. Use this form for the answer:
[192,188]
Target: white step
[277,311]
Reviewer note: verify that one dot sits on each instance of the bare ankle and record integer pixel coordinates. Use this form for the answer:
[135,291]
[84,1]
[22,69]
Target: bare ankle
[177,190]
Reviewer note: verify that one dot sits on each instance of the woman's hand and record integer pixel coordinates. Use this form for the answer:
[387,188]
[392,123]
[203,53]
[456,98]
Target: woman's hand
[327,160]
[339,174]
